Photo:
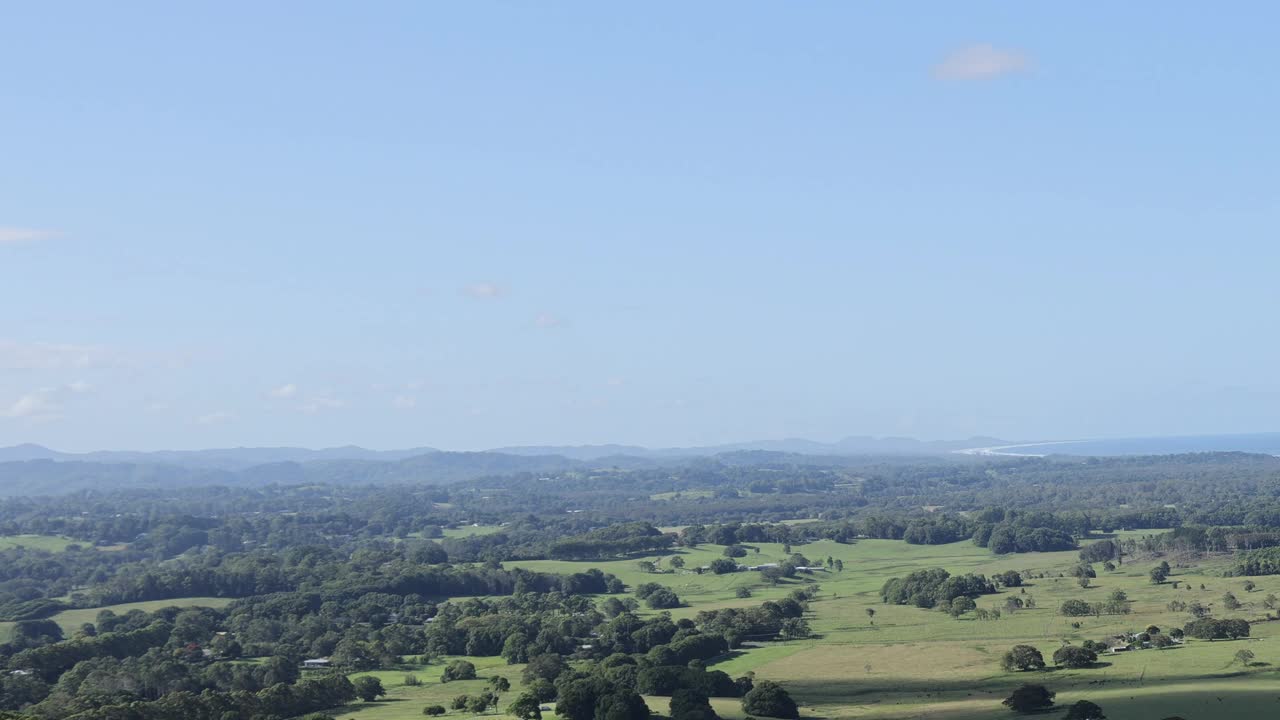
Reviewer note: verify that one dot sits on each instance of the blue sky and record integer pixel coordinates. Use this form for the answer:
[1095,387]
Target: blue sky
[475,224]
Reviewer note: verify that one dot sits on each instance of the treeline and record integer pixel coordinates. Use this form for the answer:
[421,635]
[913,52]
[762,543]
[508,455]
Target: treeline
[1257,562]
[612,542]
[392,568]
[282,700]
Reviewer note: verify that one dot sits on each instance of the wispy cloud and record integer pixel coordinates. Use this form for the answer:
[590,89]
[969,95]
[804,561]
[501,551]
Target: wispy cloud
[216,418]
[284,392]
[484,291]
[320,404]
[53,356]
[981,62]
[14,235]
[404,402]
[38,405]
[45,403]
[547,320]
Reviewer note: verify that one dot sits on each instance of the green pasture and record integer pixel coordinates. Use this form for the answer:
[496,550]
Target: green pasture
[52,543]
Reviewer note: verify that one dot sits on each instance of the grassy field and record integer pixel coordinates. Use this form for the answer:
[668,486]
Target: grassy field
[71,620]
[52,543]
[470,530]
[913,663]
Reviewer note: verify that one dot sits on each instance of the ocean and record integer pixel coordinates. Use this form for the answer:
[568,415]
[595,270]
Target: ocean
[1263,443]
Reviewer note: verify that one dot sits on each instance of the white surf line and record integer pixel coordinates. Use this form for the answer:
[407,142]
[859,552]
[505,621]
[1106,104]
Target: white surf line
[1003,449]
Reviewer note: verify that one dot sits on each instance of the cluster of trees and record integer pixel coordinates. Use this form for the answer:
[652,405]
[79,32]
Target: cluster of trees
[1027,657]
[1212,629]
[934,587]
[1117,603]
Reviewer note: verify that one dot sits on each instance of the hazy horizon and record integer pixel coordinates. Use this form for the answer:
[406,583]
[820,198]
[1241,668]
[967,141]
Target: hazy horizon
[413,224]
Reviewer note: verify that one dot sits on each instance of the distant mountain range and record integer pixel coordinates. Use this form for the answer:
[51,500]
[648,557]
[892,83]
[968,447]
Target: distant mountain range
[218,458]
[33,469]
[240,458]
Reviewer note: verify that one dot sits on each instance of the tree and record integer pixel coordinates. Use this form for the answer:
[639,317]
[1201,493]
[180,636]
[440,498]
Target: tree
[1075,608]
[1159,575]
[871,616]
[577,700]
[368,688]
[1084,710]
[962,605]
[1117,603]
[1029,698]
[646,566]
[742,591]
[676,562]
[460,702]
[499,684]
[723,566]
[1022,657]
[1071,656]
[525,707]
[771,700]
[479,703]
[662,599]
[548,666]
[458,670]
[621,705]
[434,710]
[839,565]
[689,704]
[1083,581]
[1230,602]
[1244,657]
[794,628]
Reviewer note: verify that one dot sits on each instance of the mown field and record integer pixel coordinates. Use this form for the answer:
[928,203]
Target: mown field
[913,663]
[71,620]
[52,543]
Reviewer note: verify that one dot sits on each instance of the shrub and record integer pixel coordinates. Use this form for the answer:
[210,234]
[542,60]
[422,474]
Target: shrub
[458,670]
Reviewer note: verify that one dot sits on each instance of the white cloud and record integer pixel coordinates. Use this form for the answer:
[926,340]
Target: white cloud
[45,403]
[405,402]
[37,405]
[980,62]
[484,291]
[216,418]
[53,356]
[284,392]
[14,235]
[321,403]
[547,320]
